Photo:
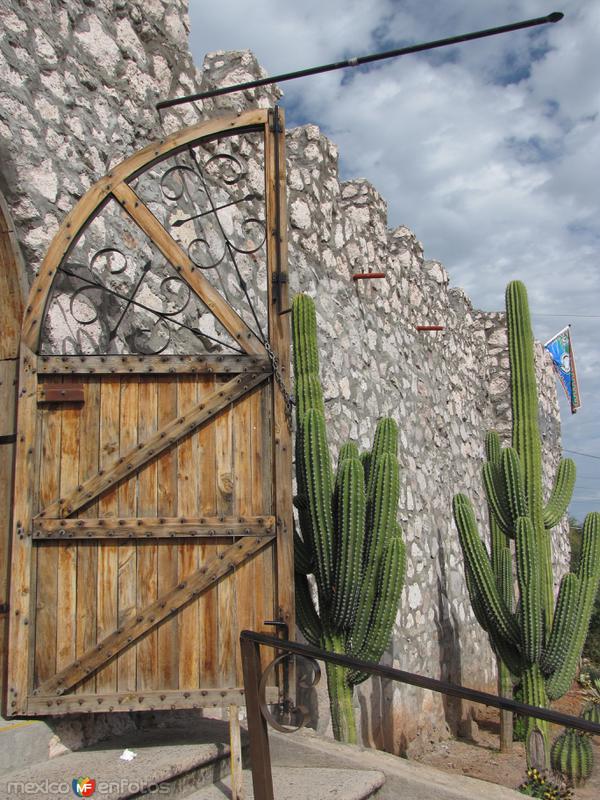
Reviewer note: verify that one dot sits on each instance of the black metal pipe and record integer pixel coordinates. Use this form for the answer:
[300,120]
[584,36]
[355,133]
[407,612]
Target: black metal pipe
[452,689]
[556,16]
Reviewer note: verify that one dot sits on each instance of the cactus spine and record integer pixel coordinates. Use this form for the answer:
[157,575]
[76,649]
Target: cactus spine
[538,644]
[350,539]
[572,755]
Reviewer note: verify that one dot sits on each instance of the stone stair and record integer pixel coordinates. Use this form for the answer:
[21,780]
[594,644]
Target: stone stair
[188,762]
[178,760]
[192,761]
[23,742]
[305,783]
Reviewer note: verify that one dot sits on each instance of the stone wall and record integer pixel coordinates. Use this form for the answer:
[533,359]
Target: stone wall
[79,82]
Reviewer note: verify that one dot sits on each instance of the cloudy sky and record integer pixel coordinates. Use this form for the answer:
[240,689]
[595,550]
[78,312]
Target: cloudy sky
[489,151]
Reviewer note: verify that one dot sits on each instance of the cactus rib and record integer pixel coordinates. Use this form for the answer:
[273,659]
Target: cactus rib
[561,494]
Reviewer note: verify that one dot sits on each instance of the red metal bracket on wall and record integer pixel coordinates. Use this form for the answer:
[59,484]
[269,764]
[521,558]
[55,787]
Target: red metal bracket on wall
[362,276]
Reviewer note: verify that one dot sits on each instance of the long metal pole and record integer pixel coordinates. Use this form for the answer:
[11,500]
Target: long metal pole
[556,16]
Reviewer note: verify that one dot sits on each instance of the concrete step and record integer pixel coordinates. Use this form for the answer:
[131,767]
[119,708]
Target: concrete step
[179,760]
[299,783]
[23,742]
[404,779]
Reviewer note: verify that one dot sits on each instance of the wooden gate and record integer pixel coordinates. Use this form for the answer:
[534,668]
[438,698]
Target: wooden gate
[152,509]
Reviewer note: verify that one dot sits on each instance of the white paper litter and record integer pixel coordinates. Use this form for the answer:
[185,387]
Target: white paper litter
[128,755]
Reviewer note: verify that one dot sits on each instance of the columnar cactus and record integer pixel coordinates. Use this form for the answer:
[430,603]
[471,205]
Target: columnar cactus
[501,557]
[350,539]
[572,755]
[539,644]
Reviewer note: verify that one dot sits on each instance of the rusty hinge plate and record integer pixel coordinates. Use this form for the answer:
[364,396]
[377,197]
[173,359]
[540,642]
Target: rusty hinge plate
[61,393]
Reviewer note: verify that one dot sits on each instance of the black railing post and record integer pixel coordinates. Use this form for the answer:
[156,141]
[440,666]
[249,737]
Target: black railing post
[260,757]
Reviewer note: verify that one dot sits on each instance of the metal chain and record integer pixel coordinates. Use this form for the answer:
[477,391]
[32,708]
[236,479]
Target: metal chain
[289,402]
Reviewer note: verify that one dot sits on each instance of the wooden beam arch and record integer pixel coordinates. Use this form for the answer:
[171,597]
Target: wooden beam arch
[115,184]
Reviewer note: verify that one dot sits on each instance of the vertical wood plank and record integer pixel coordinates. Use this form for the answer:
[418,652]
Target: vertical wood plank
[147,655]
[226,596]
[262,502]
[13,284]
[67,552]
[279,336]
[87,552]
[259,468]
[8,393]
[245,574]
[6,469]
[208,602]
[19,676]
[235,747]
[127,555]
[108,506]
[187,490]
[47,557]
[168,647]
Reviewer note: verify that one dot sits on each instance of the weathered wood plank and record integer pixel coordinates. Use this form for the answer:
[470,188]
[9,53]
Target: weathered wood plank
[13,284]
[66,610]
[147,654]
[267,486]
[279,336]
[131,461]
[152,527]
[173,252]
[168,648]
[126,551]
[188,472]
[86,207]
[187,591]
[8,395]
[262,471]
[13,291]
[235,747]
[226,597]
[6,468]
[157,365]
[87,553]
[140,701]
[47,557]
[108,505]
[21,594]
[207,604]
[245,575]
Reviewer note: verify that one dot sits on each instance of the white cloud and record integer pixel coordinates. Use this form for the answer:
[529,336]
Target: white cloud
[489,151]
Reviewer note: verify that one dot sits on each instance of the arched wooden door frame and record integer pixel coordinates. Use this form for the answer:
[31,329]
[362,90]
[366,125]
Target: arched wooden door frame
[254,368]
[13,291]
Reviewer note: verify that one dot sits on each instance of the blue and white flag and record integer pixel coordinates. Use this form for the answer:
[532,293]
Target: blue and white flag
[563,359]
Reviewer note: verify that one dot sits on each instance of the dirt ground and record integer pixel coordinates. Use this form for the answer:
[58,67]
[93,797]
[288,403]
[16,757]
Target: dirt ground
[481,757]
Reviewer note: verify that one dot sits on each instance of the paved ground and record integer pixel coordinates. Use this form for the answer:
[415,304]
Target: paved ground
[405,779]
[306,783]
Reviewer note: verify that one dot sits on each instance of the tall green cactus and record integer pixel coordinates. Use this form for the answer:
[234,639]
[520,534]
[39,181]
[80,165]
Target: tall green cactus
[501,557]
[539,644]
[350,540]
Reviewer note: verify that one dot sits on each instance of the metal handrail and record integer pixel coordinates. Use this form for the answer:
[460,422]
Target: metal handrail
[259,717]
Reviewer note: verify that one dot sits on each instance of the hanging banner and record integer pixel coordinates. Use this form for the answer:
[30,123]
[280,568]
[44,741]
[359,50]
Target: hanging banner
[563,359]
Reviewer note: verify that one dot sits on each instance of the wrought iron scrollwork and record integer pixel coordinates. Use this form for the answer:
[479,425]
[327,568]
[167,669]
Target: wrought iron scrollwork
[287,707]
[96,301]
[116,293]
[173,188]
